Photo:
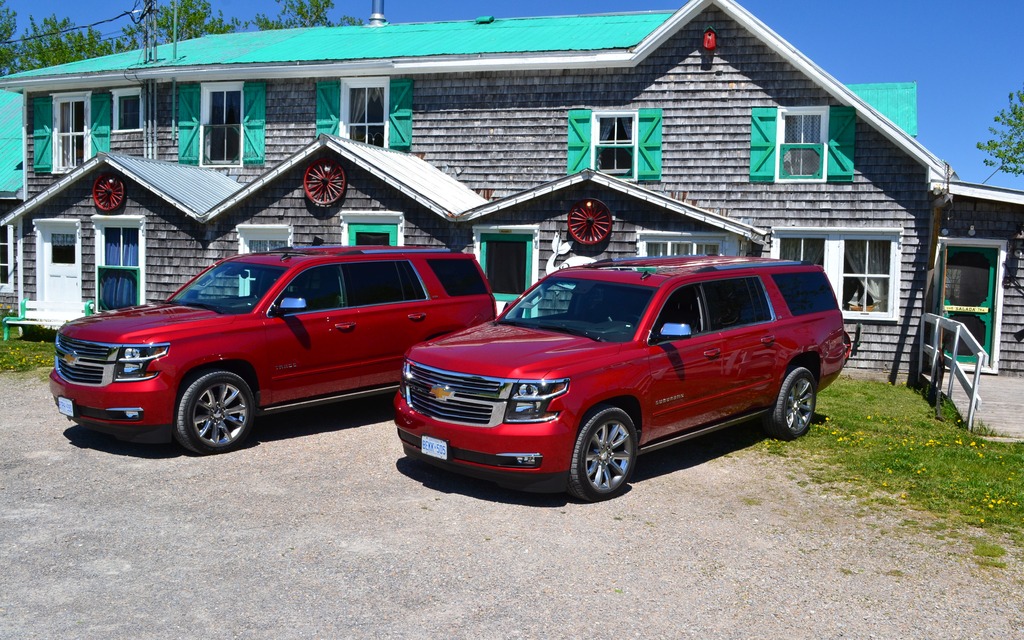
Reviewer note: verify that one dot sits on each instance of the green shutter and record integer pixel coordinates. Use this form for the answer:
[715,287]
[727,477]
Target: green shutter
[400,118]
[328,107]
[99,128]
[42,134]
[762,143]
[842,134]
[649,160]
[579,140]
[188,123]
[254,122]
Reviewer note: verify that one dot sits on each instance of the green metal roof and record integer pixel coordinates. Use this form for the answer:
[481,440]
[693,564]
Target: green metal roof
[894,100]
[11,167]
[413,40]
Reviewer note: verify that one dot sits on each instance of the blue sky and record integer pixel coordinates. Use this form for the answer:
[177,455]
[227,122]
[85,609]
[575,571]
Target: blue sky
[964,56]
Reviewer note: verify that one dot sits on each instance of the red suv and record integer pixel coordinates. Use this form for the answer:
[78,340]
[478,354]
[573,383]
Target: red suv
[262,333]
[594,365]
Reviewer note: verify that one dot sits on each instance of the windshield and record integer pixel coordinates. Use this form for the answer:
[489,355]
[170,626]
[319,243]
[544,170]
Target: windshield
[599,310]
[229,287]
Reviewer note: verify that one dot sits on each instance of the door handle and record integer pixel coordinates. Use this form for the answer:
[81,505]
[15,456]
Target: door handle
[416,317]
[768,340]
[711,354]
[345,326]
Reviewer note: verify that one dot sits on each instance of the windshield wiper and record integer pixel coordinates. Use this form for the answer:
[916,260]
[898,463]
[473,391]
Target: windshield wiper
[200,305]
[576,331]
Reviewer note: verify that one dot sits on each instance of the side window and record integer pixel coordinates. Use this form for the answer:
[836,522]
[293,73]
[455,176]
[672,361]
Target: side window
[459,277]
[621,143]
[735,302]
[683,307]
[127,109]
[369,283]
[320,287]
[806,292]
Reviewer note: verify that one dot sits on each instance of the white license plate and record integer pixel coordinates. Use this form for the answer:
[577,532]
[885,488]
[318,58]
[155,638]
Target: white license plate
[66,406]
[434,447]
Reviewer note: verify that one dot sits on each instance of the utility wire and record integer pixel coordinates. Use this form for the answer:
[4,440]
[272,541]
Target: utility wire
[130,14]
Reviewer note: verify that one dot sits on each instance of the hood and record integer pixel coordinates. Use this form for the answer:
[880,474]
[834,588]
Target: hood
[506,351]
[143,324]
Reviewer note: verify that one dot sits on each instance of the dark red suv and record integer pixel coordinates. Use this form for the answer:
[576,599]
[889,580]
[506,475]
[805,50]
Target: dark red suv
[261,333]
[594,365]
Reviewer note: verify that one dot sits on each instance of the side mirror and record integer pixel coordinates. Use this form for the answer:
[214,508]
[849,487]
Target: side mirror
[671,331]
[288,305]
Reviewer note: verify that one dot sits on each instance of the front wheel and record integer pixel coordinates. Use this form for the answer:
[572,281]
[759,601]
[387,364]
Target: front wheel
[604,455]
[791,415]
[215,413]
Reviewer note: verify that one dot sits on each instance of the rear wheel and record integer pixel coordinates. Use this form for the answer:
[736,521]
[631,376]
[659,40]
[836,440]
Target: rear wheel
[793,411]
[215,413]
[604,455]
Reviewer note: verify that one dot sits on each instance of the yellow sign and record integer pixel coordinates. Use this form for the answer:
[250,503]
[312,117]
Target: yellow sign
[955,309]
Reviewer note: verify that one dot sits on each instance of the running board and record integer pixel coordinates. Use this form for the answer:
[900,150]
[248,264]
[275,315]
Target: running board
[689,435]
[316,402]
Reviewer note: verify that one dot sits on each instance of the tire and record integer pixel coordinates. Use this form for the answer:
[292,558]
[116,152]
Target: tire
[604,455]
[215,413]
[793,411]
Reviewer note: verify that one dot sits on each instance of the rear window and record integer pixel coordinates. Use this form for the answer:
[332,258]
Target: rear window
[459,277]
[805,292]
[380,283]
[736,302]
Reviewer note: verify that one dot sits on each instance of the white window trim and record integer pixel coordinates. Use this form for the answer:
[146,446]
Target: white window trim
[58,99]
[531,230]
[396,218]
[595,139]
[728,244]
[12,249]
[101,224]
[780,139]
[204,108]
[115,96]
[834,247]
[347,84]
[250,232]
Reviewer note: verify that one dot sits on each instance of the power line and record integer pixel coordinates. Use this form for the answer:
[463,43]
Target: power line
[129,14]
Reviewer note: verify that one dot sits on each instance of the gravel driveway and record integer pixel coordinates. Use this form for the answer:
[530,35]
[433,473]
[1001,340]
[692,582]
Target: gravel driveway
[322,529]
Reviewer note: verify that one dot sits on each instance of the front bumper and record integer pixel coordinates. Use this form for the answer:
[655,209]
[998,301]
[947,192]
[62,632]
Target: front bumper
[529,457]
[130,411]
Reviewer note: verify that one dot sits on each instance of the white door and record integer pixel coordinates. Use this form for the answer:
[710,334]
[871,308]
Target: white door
[59,261]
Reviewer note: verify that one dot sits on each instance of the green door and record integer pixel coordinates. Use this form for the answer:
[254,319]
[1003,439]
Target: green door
[507,259]
[969,292]
[375,234]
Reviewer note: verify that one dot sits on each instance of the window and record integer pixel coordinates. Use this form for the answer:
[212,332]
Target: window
[71,132]
[222,124]
[863,265]
[376,111]
[381,283]
[626,144]
[127,109]
[735,303]
[679,245]
[805,292]
[802,144]
[256,238]
[458,277]
[119,261]
[6,258]
[364,111]
[507,257]
[373,228]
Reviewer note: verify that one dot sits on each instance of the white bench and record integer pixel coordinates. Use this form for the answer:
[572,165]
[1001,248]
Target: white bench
[47,314]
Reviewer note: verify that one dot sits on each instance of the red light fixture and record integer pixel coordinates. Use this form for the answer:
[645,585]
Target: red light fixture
[710,39]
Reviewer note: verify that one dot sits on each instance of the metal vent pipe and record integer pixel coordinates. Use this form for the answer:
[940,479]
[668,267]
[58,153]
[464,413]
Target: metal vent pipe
[377,18]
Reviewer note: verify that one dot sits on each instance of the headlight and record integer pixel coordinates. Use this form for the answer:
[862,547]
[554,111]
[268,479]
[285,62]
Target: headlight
[530,400]
[135,362]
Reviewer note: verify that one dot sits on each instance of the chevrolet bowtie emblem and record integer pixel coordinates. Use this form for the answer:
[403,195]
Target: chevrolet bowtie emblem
[70,359]
[441,393]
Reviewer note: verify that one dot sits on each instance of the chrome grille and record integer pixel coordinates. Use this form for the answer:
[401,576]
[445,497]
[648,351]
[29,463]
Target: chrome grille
[83,362]
[456,397]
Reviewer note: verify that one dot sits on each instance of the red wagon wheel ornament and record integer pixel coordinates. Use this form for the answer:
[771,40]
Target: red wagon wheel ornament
[324,182]
[590,221]
[108,192]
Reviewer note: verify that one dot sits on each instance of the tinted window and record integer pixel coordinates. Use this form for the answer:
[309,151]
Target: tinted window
[381,283]
[736,302]
[459,277]
[320,287]
[683,307]
[806,292]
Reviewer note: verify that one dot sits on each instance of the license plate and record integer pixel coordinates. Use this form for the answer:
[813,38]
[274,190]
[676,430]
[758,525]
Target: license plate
[66,406]
[434,447]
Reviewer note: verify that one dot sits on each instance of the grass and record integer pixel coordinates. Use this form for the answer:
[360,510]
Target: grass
[33,350]
[882,442]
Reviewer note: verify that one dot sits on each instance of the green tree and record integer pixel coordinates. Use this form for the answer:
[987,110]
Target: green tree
[195,19]
[301,13]
[9,48]
[1007,147]
[58,41]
